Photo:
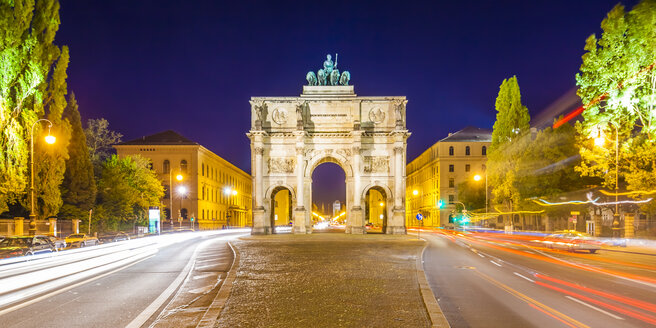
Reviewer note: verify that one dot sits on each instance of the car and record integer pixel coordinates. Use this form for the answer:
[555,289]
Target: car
[60,243]
[572,241]
[120,236]
[81,240]
[25,246]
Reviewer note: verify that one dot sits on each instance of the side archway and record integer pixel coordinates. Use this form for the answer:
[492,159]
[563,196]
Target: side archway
[280,199]
[377,199]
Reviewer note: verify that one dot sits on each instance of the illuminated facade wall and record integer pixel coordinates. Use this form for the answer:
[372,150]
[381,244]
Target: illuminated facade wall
[219,193]
[437,172]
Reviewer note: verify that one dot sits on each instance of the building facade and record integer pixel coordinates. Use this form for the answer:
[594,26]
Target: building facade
[436,173]
[212,191]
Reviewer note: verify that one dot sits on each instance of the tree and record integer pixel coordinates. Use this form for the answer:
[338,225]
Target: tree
[126,188]
[511,126]
[617,84]
[33,86]
[472,194]
[100,140]
[79,186]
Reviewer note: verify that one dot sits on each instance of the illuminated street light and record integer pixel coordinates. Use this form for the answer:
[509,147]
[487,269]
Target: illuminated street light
[599,141]
[179,177]
[478,177]
[415,192]
[182,190]
[234,192]
[50,140]
[381,204]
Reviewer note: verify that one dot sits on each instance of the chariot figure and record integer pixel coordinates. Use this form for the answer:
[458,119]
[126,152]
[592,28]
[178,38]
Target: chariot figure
[329,74]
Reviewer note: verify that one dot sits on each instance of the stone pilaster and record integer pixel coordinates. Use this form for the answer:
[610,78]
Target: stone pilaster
[18,226]
[299,225]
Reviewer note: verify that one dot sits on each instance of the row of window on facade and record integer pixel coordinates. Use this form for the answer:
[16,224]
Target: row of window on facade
[166,168]
[468,151]
[213,174]
[213,215]
[215,195]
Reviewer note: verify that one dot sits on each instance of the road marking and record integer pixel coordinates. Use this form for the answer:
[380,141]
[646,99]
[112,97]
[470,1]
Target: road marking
[159,301]
[535,304]
[519,275]
[479,254]
[594,307]
[495,263]
[59,291]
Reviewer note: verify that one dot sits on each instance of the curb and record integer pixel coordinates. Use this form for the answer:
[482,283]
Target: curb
[435,313]
[213,312]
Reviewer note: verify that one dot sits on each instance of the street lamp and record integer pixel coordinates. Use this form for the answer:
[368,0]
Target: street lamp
[478,177]
[49,140]
[599,141]
[178,177]
[182,191]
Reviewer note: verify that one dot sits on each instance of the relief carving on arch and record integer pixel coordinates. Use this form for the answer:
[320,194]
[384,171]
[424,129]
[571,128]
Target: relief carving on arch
[376,164]
[344,152]
[282,165]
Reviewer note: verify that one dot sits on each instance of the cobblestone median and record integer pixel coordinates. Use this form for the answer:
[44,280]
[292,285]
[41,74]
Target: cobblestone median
[326,280]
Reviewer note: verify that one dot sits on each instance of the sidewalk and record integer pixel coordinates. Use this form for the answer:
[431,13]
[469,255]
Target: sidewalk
[325,280]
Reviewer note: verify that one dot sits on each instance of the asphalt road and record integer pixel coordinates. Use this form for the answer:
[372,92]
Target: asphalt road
[483,280]
[132,295]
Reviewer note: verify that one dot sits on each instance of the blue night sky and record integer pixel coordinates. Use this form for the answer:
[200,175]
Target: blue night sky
[192,66]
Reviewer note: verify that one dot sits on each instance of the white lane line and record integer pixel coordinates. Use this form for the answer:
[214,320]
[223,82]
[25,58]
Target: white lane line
[59,291]
[527,278]
[159,301]
[594,307]
[481,255]
[495,263]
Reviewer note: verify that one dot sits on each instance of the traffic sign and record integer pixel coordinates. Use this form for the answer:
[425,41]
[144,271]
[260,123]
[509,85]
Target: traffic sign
[420,217]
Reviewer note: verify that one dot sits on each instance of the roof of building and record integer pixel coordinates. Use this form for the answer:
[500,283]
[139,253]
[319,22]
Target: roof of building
[168,137]
[469,133]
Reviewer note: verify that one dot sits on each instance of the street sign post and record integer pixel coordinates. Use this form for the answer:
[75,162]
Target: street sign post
[420,218]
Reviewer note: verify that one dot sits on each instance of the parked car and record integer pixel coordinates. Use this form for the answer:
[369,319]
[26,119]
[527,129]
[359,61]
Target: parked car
[571,241]
[25,245]
[120,236]
[60,243]
[81,240]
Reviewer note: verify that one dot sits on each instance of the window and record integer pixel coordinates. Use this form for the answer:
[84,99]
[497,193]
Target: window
[451,168]
[467,167]
[202,169]
[452,198]
[484,151]
[150,165]
[452,183]
[183,166]
[166,167]
[203,193]
[167,192]
[467,151]
[451,151]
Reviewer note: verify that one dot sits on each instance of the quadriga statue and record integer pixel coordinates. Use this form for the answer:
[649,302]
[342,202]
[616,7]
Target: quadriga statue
[328,75]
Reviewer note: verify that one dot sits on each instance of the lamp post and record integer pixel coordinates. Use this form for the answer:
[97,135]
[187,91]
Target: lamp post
[477,177]
[50,140]
[178,177]
[599,141]
[229,192]
[182,190]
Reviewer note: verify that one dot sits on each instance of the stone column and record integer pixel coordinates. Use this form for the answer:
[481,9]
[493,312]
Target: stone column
[355,221]
[52,226]
[597,221]
[261,225]
[396,225]
[299,225]
[629,229]
[76,225]
[18,226]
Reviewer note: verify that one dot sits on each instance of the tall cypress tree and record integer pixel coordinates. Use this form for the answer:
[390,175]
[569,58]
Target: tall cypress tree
[506,150]
[79,186]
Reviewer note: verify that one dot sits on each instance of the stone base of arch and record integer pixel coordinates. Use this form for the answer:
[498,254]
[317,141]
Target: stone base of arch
[259,222]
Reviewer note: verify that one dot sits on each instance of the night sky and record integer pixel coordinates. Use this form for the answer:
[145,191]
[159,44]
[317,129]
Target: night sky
[192,66]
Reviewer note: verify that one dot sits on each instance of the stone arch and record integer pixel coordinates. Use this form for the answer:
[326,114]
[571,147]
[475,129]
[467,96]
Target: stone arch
[270,201]
[338,159]
[279,185]
[387,195]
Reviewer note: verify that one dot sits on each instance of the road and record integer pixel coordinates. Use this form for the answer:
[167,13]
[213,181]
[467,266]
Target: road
[130,293]
[498,280]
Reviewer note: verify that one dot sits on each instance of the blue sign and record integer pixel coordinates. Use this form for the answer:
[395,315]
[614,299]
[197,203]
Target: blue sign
[420,217]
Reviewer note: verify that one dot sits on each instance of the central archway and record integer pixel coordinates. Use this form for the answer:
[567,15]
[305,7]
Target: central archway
[328,186]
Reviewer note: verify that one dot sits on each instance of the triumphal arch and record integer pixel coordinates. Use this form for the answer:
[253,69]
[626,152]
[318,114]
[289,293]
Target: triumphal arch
[328,122]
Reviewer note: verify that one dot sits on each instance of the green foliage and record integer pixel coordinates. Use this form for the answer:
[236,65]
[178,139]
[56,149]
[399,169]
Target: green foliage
[512,117]
[511,126]
[617,84]
[100,140]
[472,194]
[79,186]
[32,86]
[126,188]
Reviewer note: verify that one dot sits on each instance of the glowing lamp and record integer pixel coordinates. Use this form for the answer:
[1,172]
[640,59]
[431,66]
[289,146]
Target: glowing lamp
[415,192]
[50,139]
[234,192]
[182,190]
[179,177]
[477,177]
